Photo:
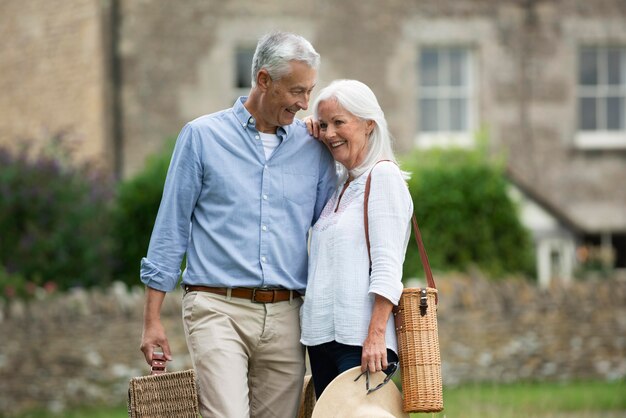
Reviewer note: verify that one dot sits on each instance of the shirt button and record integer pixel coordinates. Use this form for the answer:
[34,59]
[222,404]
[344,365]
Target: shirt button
[264,227]
[256,137]
[264,197]
[244,124]
[265,167]
[251,120]
[263,259]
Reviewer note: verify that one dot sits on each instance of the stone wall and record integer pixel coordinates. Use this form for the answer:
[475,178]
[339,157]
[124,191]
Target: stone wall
[84,346]
[512,331]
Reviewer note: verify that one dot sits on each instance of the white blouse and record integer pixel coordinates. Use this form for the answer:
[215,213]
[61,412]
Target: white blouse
[340,291]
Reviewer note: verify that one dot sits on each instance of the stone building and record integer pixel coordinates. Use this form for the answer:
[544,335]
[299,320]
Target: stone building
[546,79]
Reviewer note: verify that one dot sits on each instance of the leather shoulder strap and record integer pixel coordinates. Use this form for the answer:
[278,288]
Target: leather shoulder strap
[416,231]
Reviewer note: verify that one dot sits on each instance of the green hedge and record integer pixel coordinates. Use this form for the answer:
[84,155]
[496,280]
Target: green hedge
[466,217]
[460,197]
[55,222]
[137,204]
[63,226]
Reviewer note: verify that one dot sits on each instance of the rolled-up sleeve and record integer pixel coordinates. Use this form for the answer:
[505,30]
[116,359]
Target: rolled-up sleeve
[389,212]
[168,243]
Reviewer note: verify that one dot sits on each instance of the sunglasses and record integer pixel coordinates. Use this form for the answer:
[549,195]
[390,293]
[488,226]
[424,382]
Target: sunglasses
[394,368]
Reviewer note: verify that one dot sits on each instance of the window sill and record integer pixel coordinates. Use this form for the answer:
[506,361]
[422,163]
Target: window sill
[463,140]
[600,140]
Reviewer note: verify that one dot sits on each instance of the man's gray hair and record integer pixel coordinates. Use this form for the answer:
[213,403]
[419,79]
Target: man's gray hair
[358,99]
[275,50]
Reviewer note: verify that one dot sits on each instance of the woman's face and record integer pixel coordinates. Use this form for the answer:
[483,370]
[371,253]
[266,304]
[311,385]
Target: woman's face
[345,135]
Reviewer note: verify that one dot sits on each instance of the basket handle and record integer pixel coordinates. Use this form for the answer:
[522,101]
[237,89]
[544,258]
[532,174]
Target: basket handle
[416,232]
[158,363]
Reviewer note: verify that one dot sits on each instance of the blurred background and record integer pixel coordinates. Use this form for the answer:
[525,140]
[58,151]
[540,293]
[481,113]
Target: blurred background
[510,114]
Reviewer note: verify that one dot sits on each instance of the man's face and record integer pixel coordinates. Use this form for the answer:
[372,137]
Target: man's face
[285,97]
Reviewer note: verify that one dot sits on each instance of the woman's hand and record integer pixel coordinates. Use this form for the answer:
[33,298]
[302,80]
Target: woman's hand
[374,355]
[313,126]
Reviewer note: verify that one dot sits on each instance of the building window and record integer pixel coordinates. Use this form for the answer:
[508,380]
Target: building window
[445,95]
[601,97]
[243,65]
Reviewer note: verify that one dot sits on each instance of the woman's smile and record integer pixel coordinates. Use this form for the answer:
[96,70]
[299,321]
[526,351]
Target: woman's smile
[345,134]
[336,144]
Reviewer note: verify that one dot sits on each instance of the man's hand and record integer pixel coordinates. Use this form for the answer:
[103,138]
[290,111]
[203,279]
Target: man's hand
[153,335]
[313,126]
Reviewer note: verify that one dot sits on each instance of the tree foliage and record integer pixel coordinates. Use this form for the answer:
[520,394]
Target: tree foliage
[54,220]
[137,204]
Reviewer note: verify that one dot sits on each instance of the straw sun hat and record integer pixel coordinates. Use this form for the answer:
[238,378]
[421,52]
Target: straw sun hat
[344,398]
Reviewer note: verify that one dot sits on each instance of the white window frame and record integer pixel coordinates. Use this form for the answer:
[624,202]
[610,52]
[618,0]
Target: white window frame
[447,139]
[600,138]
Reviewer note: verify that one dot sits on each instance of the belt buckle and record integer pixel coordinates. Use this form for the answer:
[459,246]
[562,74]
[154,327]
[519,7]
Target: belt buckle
[264,290]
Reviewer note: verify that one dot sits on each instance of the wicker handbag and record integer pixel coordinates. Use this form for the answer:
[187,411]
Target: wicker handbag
[307,398]
[416,329]
[163,395]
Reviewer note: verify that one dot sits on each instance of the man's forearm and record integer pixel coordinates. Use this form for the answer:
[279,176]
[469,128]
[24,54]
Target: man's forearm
[152,307]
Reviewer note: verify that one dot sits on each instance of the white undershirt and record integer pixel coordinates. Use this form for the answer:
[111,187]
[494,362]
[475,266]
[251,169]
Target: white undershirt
[270,142]
[340,291]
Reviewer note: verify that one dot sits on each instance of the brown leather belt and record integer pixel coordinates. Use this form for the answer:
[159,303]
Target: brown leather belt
[258,294]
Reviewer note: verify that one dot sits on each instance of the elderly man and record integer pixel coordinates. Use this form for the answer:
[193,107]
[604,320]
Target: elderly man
[243,187]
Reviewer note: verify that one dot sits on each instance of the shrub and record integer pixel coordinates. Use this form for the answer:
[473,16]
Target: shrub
[54,219]
[465,214]
[14,286]
[137,204]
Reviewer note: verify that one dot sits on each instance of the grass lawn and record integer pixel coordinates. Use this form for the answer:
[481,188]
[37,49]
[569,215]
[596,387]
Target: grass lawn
[528,400]
[519,400]
[95,412]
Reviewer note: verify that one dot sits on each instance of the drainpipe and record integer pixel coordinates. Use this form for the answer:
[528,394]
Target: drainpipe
[115,71]
[525,78]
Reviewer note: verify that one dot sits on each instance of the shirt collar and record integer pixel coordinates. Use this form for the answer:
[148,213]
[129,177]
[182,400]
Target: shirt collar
[246,119]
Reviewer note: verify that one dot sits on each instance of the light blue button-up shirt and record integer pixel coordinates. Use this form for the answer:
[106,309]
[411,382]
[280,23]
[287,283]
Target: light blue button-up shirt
[243,220]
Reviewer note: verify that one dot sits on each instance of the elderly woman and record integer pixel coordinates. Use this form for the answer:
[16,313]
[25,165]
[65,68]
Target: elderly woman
[346,317]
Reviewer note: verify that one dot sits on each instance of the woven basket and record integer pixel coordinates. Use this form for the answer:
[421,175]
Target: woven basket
[307,400]
[418,346]
[167,395]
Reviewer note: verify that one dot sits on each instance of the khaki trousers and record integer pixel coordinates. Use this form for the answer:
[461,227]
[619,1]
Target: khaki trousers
[247,355]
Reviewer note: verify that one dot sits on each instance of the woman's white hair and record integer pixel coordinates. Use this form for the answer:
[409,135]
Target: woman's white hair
[275,50]
[358,99]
